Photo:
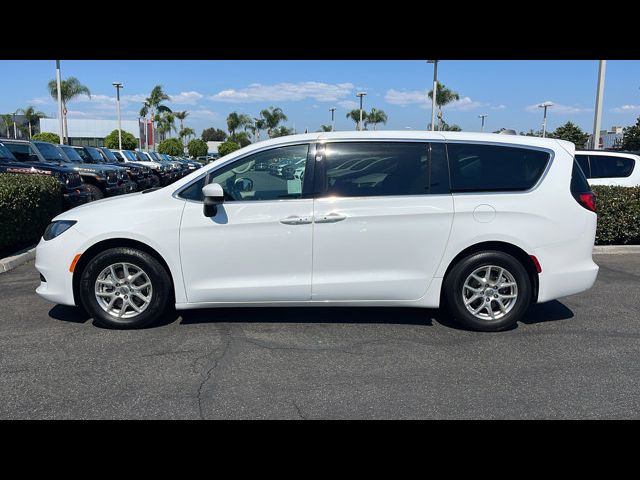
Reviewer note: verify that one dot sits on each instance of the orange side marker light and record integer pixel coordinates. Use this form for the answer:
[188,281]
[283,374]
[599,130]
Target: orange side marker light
[72,267]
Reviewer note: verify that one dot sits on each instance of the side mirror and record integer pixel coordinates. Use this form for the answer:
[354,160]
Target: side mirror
[213,196]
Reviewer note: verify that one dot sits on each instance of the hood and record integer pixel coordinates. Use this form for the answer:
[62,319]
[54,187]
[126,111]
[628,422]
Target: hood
[94,167]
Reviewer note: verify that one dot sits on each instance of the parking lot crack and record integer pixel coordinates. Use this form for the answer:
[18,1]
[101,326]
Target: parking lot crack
[209,373]
[299,349]
[299,410]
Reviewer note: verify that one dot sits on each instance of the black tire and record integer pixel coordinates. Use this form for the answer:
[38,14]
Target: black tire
[96,193]
[454,283]
[158,276]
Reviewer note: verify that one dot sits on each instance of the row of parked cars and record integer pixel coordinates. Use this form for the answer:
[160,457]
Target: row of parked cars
[89,173]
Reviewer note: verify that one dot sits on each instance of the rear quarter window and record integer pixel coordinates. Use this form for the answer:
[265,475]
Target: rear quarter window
[482,168]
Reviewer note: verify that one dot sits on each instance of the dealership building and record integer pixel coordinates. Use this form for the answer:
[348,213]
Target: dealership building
[90,133]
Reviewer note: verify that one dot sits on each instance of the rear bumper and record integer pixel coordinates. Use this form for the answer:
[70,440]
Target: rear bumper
[568,282]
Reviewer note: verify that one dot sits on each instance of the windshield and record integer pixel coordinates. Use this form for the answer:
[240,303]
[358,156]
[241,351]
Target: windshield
[72,154]
[141,157]
[130,155]
[109,154]
[5,153]
[95,154]
[50,152]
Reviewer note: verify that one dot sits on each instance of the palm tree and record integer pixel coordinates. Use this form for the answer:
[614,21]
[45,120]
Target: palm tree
[181,116]
[31,115]
[258,124]
[166,124]
[443,97]
[153,104]
[355,116]
[186,132]
[376,116]
[281,131]
[272,118]
[69,89]
[325,128]
[7,120]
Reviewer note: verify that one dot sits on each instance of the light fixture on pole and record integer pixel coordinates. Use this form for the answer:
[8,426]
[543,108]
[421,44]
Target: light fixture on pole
[545,105]
[333,111]
[435,93]
[595,142]
[61,123]
[361,95]
[118,86]
[482,117]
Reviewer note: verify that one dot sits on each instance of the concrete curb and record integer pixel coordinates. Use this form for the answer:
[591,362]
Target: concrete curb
[616,249]
[23,256]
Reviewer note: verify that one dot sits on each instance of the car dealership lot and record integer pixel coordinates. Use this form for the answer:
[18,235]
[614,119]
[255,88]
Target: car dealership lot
[577,358]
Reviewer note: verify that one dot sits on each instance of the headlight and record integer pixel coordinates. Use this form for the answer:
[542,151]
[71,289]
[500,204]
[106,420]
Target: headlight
[57,228]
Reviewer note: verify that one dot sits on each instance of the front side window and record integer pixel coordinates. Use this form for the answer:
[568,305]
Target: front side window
[605,166]
[275,174]
[485,168]
[83,154]
[118,156]
[130,155]
[5,154]
[50,152]
[108,154]
[72,153]
[21,151]
[359,169]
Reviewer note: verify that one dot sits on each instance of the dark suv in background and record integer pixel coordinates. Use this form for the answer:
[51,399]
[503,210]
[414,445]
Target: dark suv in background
[92,155]
[19,156]
[150,178]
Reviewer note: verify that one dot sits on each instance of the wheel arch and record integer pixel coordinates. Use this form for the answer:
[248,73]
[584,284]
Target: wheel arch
[523,257]
[103,245]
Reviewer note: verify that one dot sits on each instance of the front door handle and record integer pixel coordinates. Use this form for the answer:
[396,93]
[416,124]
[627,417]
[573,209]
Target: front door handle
[295,220]
[332,217]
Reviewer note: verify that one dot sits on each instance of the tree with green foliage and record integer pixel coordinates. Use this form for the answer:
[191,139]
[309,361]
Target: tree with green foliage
[129,142]
[213,135]
[197,148]
[572,133]
[227,147]
[153,105]
[445,127]
[70,89]
[171,146]
[186,132]
[241,138]
[376,116]
[272,117]
[47,137]
[325,128]
[181,116]
[237,120]
[281,131]
[444,97]
[354,115]
[7,122]
[32,116]
[258,124]
[631,137]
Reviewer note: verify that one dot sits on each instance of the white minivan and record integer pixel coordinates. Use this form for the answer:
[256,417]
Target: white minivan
[610,168]
[484,224]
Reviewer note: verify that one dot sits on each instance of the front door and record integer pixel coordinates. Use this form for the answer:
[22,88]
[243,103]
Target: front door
[257,248]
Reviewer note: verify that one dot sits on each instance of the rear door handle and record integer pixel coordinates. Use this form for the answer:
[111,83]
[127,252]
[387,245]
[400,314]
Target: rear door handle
[295,220]
[332,217]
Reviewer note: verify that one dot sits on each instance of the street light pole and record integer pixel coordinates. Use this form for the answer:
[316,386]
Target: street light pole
[333,111]
[598,115]
[118,86]
[361,95]
[435,93]
[15,132]
[59,102]
[545,105]
[482,117]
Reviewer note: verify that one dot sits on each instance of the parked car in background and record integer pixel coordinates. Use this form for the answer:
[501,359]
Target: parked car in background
[485,224]
[149,178]
[18,156]
[163,172]
[92,155]
[610,168]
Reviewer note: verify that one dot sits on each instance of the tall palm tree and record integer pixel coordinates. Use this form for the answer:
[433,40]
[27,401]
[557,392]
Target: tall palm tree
[443,97]
[153,105]
[69,89]
[354,115]
[32,116]
[376,116]
[186,132]
[272,118]
[258,124]
[237,120]
[281,131]
[181,116]
[325,128]
[166,124]
[7,120]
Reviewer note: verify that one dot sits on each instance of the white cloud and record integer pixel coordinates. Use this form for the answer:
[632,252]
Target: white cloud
[626,109]
[348,104]
[202,114]
[186,98]
[558,108]
[465,104]
[406,97]
[41,101]
[283,92]
[499,107]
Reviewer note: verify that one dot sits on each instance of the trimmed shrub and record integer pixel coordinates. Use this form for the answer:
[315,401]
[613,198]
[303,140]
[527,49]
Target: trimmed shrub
[618,215]
[227,147]
[27,205]
[47,137]
[197,148]
[171,146]
[129,142]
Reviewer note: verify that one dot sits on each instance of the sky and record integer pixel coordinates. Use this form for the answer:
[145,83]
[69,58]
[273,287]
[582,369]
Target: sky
[507,91]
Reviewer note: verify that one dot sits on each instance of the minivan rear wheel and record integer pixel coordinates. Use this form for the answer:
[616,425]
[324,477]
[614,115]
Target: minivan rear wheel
[124,288]
[488,291]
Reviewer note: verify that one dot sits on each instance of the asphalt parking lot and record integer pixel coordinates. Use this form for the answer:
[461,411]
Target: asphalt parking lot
[576,358]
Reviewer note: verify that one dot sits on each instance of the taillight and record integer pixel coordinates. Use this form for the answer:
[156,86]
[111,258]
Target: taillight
[587,200]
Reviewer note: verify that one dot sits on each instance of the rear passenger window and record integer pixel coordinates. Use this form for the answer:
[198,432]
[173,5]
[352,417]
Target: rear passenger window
[478,168]
[360,169]
[605,166]
[583,161]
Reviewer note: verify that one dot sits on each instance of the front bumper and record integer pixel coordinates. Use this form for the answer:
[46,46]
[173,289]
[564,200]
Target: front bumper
[113,190]
[77,196]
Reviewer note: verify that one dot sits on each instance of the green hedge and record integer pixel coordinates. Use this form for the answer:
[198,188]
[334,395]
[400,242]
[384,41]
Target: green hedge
[618,215]
[27,205]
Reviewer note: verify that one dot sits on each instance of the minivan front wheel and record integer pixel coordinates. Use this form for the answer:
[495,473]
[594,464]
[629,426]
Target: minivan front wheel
[488,291]
[124,288]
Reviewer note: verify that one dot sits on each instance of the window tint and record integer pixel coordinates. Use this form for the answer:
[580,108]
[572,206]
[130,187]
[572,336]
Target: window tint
[72,153]
[108,154]
[579,182]
[119,156]
[477,168]
[83,154]
[20,150]
[603,166]
[5,153]
[358,169]
[583,161]
[270,175]
[50,152]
